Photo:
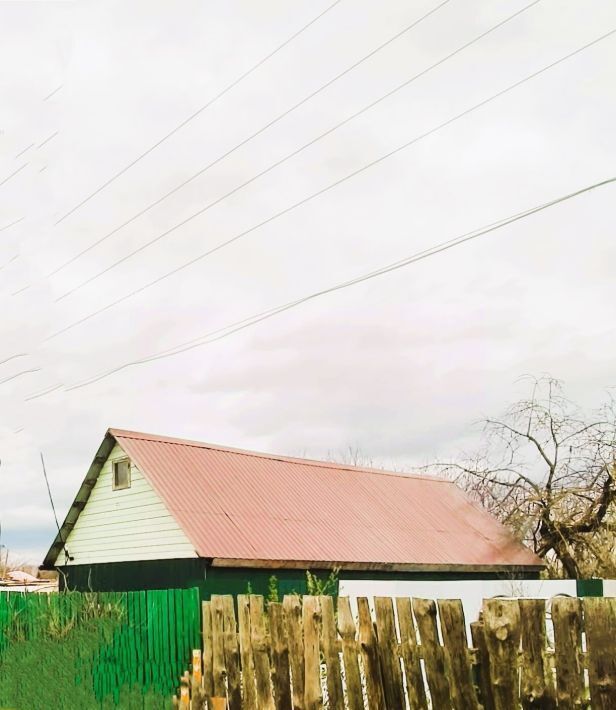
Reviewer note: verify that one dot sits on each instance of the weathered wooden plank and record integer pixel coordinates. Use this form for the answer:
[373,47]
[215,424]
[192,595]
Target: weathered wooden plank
[249,690]
[208,666]
[370,656]
[292,606]
[482,663]
[232,661]
[280,657]
[432,651]
[197,694]
[311,619]
[568,659]
[331,654]
[600,627]
[352,675]
[218,646]
[537,686]
[502,631]
[415,687]
[388,643]
[453,631]
[260,652]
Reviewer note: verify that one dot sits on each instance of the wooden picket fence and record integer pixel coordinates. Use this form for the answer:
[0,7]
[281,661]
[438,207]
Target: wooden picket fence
[313,652]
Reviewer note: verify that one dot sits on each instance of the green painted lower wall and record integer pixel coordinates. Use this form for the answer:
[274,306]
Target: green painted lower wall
[589,587]
[186,573]
[179,574]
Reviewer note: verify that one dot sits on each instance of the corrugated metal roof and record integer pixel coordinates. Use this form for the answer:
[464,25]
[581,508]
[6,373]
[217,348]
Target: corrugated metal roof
[244,506]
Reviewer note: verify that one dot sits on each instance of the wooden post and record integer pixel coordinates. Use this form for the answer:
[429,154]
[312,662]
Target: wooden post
[482,663]
[232,661]
[208,665]
[280,657]
[415,687]
[185,692]
[218,647]
[349,654]
[600,626]
[331,650]
[388,652]
[249,698]
[197,667]
[370,656]
[433,654]
[453,630]
[537,683]
[292,607]
[502,630]
[197,693]
[311,618]
[567,622]
[260,650]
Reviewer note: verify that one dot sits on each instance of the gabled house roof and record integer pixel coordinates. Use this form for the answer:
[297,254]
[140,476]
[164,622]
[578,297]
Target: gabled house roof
[241,508]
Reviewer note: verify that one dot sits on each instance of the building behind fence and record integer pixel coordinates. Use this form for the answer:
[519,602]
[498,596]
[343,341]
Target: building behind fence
[306,654]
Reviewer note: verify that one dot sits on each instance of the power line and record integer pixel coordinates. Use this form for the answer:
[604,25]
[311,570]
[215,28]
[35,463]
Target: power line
[197,112]
[55,91]
[271,167]
[19,374]
[53,135]
[23,151]
[224,332]
[325,189]
[263,128]
[6,179]
[12,224]
[53,507]
[13,357]
[10,261]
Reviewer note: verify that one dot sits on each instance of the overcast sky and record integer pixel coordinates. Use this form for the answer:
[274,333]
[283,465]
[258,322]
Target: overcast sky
[400,366]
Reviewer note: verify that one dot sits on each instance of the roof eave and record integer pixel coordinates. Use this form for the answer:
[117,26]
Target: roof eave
[377,566]
[80,500]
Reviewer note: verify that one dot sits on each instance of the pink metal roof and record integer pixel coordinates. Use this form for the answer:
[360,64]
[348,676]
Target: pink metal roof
[243,506]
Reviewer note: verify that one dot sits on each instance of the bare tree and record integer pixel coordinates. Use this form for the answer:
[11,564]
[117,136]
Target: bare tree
[549,473]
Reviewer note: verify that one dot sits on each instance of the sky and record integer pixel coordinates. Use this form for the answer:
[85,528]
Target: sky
[401,367]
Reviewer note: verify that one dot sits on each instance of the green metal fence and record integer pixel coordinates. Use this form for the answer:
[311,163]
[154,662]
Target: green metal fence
[95,650]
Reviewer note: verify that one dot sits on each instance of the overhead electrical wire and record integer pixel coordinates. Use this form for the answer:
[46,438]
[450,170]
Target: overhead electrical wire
[13,357]
[10,261]
[327,188]
[55,91]
[261,130]
[15,172]
[220,333]
[24,150]
[19,374]
[271,167]
[196,113]
[53,135]
[12,224]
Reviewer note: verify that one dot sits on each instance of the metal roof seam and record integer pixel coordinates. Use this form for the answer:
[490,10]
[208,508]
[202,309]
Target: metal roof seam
[173,441]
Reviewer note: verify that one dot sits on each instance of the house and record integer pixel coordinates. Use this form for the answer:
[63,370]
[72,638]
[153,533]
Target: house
[158,512]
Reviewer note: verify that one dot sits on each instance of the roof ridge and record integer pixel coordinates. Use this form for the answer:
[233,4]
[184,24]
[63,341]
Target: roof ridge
[127,434]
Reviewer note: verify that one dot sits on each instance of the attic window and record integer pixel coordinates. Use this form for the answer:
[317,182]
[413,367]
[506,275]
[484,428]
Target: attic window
[121,474]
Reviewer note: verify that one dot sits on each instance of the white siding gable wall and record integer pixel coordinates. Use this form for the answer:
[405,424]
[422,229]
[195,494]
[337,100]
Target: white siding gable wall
[125,525]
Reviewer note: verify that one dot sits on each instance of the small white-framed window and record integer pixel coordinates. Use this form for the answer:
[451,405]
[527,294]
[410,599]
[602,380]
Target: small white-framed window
[120,474]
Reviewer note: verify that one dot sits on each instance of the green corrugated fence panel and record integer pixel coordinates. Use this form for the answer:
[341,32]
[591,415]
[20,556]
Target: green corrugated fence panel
[148,641]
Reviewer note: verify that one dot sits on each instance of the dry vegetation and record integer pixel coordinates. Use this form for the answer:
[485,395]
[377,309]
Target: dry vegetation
[549,473]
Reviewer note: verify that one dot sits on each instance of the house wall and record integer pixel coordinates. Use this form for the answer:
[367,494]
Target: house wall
[186,573]
[124,525]
[179,574]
